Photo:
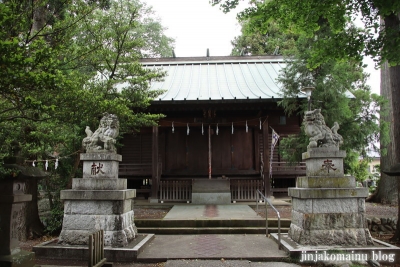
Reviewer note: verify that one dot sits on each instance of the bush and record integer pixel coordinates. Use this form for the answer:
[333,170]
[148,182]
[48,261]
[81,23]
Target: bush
[53,223]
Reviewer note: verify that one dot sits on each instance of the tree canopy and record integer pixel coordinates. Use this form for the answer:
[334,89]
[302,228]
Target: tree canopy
[307,17]
[379,38]
[68,64]
[62,65]
[340,92]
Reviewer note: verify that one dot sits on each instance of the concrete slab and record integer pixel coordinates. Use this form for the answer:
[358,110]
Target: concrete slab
[381,251]
[211,212]
[228,247]
[51,250]
[225,263]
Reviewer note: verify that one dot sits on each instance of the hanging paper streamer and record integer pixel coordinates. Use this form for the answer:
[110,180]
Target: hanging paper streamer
[260,123]
[217,130]
[202,129]
[188,130]
[46,165]
[56,164]
[247,128]
[33,163]
[173,128]
[232,127]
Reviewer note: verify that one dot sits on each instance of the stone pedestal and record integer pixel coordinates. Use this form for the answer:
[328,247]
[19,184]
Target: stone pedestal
[99,200]
[327,207]
[12,207]
[211,191]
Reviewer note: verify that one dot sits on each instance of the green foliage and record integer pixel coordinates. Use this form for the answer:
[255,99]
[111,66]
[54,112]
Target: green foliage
[340,92]
[342,95]
[62,65]
[53,223]
[346,42]
[272,42]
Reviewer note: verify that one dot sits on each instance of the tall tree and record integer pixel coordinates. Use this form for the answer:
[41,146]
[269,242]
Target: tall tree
[51,79]
[272,42]
[333,81]
[379,40]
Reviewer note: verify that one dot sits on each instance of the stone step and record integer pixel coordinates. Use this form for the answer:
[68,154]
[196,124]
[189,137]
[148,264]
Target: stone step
[211,223]
[209,230]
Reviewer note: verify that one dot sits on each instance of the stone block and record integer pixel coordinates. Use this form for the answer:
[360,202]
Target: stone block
[118,238]
[98,195]
[98,207]
[98,184]
[332,237]
[361,205]
[322,152]
[298,218]
[211,191]
[211,198]
[153,200]
[100,169]
[346,205]
[323,162]
[302,205]
[97,222]
[326,182]
[324,167]
[328,221]
[100,156]
[328,192]
[211,185]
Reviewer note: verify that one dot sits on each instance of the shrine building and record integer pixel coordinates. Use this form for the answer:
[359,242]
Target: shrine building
[219,115]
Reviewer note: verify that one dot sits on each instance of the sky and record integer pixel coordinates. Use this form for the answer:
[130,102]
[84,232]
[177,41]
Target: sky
[197,25]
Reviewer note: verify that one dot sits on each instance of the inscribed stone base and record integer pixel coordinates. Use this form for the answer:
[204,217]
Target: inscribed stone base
[100,165]
[324,162]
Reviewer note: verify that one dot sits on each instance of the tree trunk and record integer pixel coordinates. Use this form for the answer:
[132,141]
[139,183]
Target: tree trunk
[34,227]
[392,21]
[74,169]
[387,187]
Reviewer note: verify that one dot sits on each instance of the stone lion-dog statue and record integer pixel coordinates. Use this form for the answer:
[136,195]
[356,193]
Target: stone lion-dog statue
[320,135]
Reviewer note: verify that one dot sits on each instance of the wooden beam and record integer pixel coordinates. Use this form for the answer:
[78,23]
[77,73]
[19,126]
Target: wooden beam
[267,149]
[155,174]
[209,152]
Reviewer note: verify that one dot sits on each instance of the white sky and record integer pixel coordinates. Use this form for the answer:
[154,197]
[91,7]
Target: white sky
[196,25]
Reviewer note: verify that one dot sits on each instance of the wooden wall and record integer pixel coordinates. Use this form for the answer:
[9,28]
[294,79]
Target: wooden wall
[188,154]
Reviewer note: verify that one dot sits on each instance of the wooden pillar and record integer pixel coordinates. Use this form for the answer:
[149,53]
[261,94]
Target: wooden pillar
[266,155]
[155,175]
[209,152]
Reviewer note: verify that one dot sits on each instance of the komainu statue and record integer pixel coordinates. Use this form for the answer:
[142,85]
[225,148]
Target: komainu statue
[104,138]
[320,134]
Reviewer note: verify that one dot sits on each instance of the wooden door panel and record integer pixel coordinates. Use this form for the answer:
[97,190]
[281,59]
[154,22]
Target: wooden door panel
[197,150]
[221,149]
[243,149]
[175,150]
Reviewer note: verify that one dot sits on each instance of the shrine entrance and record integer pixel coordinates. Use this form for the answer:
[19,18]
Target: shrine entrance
[209,152]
